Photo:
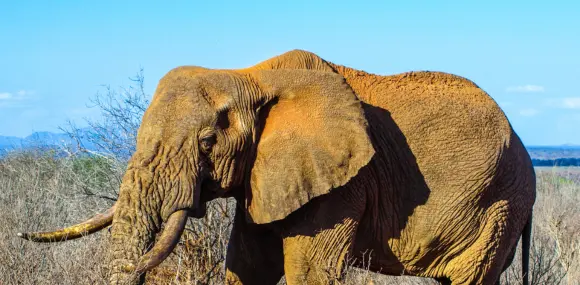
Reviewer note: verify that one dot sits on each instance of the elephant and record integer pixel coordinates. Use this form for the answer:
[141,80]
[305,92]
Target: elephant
[420,173]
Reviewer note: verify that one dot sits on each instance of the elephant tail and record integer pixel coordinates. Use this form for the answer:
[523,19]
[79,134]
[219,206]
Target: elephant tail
[526,244]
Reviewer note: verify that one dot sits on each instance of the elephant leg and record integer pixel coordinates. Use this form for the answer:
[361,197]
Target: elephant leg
[483,262]
[254,254]
[318,239]
[318,259]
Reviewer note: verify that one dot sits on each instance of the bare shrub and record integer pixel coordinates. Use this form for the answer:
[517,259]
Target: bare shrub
[114,134]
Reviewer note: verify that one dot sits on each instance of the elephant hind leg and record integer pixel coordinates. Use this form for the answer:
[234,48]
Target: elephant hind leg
[484,261]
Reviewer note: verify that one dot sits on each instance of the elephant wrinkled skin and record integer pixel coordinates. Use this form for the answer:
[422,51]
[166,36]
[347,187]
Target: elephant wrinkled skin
[417,173]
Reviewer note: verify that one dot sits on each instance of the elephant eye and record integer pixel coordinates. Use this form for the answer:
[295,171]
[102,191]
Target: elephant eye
[207,142]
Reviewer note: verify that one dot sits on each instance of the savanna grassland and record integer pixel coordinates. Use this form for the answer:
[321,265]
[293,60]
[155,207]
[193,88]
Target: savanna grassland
[39,190]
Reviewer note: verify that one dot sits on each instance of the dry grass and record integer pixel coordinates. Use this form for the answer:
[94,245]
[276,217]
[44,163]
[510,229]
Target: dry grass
[39,192]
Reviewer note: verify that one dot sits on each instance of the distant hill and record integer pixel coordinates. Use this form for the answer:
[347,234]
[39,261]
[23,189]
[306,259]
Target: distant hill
[563,155]
[6,142]
[554,152]
[37,140]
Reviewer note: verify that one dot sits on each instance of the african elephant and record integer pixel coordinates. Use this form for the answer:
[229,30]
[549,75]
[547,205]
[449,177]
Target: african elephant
[421,171]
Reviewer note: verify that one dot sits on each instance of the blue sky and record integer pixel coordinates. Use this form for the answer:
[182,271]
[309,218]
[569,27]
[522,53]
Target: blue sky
[55,55]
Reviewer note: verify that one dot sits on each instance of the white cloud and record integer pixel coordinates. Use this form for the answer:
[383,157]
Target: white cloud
[529,112]
[526,88]
[9,99]
[5,95]
[571,102]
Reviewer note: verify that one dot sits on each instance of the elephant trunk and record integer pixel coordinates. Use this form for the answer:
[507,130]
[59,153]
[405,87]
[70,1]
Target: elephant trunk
[132,233]
[138,218]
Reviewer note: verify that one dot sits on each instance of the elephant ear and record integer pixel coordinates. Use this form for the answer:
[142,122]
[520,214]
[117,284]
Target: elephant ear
[314,139]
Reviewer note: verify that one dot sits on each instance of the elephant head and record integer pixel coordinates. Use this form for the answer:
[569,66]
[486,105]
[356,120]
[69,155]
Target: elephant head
[277,138]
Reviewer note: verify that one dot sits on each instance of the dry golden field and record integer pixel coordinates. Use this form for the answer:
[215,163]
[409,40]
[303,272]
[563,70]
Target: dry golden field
[38,191]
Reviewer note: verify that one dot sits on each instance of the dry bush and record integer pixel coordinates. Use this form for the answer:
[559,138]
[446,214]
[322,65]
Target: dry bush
[38,191]
[114,134]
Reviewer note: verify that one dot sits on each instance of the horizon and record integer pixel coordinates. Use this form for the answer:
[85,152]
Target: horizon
[566,145]
[57,55]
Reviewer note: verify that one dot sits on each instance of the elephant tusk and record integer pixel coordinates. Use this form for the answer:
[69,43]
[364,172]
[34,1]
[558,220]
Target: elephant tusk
[92,225]
[165,244]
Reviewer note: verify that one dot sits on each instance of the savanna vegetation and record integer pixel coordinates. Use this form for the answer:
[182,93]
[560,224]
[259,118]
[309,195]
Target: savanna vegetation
[46,189]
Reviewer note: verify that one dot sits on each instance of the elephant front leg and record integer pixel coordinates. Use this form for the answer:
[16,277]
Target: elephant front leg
[254,254]
[318,259]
